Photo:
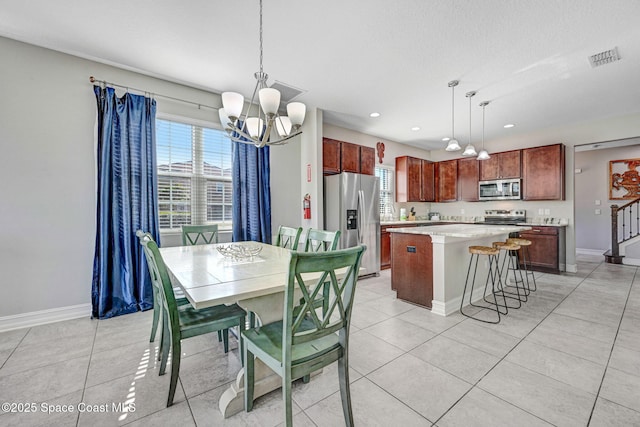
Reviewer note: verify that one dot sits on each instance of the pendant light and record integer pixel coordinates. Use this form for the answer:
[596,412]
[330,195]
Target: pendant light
[470,150]
[483,154]
[453,145]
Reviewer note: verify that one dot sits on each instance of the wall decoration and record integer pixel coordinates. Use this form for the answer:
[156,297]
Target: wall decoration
[624,179]
[380,147]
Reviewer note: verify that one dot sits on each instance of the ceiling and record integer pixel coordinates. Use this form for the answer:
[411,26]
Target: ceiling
[529,58]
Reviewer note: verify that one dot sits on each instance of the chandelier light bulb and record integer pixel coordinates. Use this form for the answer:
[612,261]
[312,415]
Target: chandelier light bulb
[232,102]
[283,125]
[269,100]
[296,112]
[224,118]
[254,126]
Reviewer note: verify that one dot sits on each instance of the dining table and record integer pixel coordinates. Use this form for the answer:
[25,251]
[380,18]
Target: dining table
[256,283]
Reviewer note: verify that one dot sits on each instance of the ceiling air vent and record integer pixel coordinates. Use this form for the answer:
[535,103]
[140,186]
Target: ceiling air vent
[287,93]
[605,57]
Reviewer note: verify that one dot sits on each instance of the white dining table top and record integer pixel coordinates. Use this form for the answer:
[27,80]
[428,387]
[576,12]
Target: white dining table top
[208,278]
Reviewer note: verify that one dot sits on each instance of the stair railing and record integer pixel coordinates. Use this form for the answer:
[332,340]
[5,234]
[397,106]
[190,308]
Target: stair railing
[625,224]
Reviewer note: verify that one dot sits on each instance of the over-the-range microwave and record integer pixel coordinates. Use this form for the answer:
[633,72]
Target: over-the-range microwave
[500,189]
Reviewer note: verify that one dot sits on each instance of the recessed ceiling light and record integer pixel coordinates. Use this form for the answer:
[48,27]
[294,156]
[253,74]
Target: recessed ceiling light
[510,125]
[374,115]
[415,128]
[446,138]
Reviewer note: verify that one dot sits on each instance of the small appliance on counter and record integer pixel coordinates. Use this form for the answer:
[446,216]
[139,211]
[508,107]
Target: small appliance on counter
[505,217]
[434,216]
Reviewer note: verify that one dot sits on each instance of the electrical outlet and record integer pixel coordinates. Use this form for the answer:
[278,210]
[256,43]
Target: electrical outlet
[547,211]
[597,211]
[597,202]
[540,211]
[461,211]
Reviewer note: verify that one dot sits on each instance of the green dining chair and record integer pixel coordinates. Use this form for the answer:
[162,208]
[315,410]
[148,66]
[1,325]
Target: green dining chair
[288,237]
[305,340]
[321,240]
[199,234]
[157,301]
[184,322]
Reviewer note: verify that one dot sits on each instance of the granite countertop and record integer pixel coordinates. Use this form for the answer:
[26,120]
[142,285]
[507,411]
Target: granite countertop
[453,221]
[460,230]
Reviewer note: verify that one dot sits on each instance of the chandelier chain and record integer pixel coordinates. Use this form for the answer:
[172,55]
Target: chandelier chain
[260,36]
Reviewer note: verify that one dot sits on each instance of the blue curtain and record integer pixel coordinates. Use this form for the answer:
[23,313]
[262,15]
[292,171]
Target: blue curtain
[127,201]
[251,193]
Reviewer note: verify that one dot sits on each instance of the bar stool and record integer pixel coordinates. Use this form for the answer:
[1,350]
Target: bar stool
[511,260]
[526,261]
[496,285]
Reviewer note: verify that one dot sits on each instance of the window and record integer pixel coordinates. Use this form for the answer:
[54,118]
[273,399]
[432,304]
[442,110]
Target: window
[194,175]
[386,175]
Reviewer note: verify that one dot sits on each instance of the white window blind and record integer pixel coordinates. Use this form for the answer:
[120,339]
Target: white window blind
[386,175]
[194,175]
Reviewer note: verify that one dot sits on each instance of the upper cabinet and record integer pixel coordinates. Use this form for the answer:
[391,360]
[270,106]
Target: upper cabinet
[340,156]
[447,181]
[543,173]
[468,173]
[414,180]
[501,165]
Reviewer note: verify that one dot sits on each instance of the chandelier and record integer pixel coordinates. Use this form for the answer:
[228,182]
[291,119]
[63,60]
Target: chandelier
[258,130]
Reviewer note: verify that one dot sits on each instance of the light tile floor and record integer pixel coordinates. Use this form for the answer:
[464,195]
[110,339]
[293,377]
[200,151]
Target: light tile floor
[569,357]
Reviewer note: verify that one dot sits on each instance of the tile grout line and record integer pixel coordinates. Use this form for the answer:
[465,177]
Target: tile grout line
[604,373]
[86,377]
[503,358]
[15,348]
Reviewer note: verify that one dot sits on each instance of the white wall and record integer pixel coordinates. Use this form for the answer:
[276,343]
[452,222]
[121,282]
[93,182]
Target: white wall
[593,231]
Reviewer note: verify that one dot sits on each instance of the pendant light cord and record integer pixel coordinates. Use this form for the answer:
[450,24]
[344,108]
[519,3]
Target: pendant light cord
[453,111]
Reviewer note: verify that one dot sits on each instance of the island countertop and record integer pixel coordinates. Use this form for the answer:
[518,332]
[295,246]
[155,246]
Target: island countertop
[441,233]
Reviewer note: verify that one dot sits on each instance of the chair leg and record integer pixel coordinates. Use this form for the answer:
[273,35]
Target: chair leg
[162,338]
[345,391]
[167,337]
[154,325]
[175,368]
[286,396]
[249,378]
[219,336]
[241,327]
[225,340]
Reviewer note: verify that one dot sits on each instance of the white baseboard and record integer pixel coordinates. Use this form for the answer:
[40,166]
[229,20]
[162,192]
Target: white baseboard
[631,261]
[35,318]
[597,252]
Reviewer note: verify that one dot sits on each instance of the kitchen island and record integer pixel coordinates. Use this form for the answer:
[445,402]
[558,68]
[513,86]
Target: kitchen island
[429,264]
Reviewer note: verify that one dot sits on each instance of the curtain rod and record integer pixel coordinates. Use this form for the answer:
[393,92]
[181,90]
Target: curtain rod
[127,88]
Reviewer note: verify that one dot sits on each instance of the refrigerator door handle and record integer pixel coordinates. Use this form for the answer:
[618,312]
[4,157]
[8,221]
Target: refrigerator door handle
[360,213]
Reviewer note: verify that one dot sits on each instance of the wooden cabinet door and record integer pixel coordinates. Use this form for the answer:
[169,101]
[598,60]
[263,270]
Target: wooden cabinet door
[543,173]
[509,164]
[544,249]
[427,185]
[414,179]
[407,179]
[468,173]
[447,181]
[350,157]
[490,168]
[385,249]
[330,156]
[411,268]
[367,160]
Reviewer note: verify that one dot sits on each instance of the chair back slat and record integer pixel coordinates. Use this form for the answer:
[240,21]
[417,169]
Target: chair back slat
[199,234]
[321,240]
[323,266]
[288,237]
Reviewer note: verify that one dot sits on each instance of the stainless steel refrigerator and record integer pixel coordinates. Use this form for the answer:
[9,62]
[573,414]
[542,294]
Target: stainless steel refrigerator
[352,205]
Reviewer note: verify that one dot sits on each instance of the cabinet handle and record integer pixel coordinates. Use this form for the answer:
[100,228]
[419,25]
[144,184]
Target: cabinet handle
[537,231]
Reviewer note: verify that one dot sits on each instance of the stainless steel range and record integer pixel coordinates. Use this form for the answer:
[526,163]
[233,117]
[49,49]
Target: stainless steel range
[505,217]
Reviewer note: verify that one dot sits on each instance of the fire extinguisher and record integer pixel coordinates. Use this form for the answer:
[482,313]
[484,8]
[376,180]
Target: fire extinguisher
[306,206]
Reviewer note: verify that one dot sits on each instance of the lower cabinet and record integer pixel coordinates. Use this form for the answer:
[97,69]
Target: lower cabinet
[412,268]
[385,244]
[545,246]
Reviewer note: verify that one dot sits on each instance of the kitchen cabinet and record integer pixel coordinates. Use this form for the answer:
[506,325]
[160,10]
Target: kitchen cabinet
[501,165]
[341,156]
[543,172]
[414,180]
[385,244]
[349,157]
[545,250]
[468,173]
[447,181]
[330,156]
[411,269]
[367,160]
